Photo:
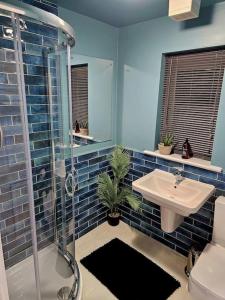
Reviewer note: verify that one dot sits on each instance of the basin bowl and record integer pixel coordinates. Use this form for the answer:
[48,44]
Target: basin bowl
[175,201]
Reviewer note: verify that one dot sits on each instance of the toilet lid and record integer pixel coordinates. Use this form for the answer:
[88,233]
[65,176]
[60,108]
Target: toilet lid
[209,271]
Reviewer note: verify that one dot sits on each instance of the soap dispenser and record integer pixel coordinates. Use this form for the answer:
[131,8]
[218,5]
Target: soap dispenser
[77,127]
[186,150]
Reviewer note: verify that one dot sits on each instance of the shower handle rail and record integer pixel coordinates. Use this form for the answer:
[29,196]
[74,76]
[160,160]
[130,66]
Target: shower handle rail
[70,185]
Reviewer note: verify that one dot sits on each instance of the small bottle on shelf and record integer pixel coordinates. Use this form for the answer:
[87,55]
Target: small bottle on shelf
[186,150]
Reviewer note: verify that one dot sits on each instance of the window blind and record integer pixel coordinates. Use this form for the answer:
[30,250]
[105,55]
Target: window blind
[192,88]
[79,84]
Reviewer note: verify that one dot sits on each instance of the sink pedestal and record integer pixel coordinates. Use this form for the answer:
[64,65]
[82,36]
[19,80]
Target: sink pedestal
[170,220]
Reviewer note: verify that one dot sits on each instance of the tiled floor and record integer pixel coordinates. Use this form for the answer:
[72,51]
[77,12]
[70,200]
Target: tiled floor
[169,260]
[54,275]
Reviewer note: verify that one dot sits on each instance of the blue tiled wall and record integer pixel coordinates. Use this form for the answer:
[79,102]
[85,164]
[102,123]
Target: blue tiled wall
[14,209]
[89,212]
[196,228]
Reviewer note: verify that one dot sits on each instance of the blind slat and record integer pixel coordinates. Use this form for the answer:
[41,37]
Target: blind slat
[79,85]
[192,88]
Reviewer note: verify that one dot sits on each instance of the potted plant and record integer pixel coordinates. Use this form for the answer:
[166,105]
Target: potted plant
[84,127]
[111,191]
[166,145]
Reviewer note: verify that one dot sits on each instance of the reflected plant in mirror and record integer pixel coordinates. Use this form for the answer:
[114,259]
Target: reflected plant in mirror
[84,127]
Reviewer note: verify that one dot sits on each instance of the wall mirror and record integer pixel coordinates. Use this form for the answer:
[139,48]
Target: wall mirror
[92,82]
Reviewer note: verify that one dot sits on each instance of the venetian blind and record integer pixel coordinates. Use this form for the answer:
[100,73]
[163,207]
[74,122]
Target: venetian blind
[192,88]
[79,83]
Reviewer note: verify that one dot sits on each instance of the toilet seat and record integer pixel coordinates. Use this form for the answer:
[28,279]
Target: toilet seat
[207,278]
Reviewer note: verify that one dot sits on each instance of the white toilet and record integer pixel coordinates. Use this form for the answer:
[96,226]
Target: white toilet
[207,278]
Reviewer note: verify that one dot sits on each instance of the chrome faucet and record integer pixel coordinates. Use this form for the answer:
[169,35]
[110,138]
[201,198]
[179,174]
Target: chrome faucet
[177,172]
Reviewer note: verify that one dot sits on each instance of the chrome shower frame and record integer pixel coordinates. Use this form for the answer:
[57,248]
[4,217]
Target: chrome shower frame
[26,10]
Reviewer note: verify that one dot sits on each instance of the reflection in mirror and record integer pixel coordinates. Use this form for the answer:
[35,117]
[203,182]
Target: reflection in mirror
[91,80]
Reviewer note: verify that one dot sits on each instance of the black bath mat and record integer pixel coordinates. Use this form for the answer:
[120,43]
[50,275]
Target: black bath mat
[128,274]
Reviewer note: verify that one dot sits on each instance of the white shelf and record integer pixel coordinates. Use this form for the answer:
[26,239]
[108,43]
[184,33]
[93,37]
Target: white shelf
[87,137]
[195,162]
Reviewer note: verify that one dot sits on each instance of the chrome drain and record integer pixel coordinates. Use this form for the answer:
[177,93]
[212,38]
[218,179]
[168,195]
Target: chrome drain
[64,293]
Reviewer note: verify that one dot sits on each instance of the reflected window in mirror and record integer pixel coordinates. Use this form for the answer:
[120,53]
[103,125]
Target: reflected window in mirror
[79,82]
[92,83]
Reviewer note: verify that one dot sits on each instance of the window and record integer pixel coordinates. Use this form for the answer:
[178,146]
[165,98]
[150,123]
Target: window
[79,83]
[192,88]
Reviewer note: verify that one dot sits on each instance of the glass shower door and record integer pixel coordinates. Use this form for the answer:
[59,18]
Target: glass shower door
[17,223]
[45,218]
[50,144]
[62,155]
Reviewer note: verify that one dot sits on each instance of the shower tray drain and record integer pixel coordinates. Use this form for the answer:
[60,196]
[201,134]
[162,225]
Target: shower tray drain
[64,293]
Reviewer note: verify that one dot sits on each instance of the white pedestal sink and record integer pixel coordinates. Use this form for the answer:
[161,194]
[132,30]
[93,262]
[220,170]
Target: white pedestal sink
[175,202]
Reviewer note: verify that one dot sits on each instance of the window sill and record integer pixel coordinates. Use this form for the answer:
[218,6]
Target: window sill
[195,162]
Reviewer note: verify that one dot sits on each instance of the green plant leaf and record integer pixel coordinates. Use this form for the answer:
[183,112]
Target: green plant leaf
[110,191]
[120,162]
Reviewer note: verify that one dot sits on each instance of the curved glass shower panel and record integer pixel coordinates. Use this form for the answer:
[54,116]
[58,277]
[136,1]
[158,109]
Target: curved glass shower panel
[44,71]
[15,210]
[46,219]
[62,156]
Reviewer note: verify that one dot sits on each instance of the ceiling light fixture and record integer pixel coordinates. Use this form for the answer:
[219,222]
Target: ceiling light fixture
[182,10]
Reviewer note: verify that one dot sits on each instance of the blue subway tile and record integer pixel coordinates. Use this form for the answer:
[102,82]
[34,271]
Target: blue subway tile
[168,163]
[96,160]
[40,127]
[37,90]
[6,121]
[7,110]
[97,172]
[39,109]
[161,167]
[104,164]
[39,118]
[31,38]
[142,168]
[201,172]
[218,184]
[4,99]
[190,175]
[34,80]
[137,161]
[87,156]
[6,43]
[144,156]
[221,177]
[11,89]
[42,29]
[87,170]
[34,60]
[81,165]
[106,151]
[3,78]
[36,70]
[49,42]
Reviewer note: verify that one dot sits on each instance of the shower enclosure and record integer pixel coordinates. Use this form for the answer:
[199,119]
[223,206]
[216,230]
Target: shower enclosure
[37,222]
